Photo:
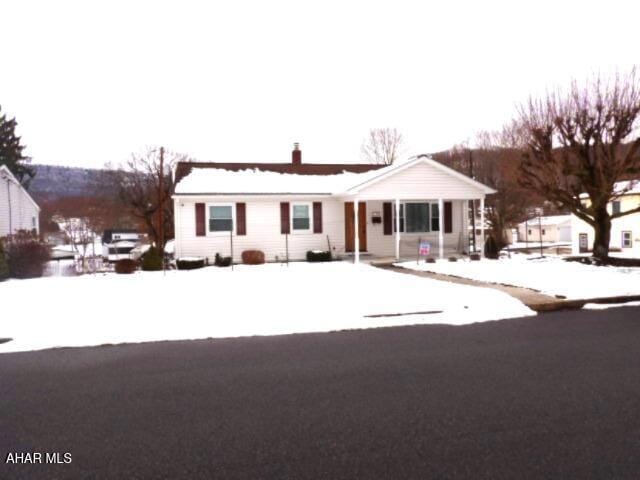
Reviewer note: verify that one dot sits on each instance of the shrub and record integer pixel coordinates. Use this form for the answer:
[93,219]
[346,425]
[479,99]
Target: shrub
[189,263]
[453,259]
[253,257]
[318,256]
[430,260]
[222,261]
[474,256]
[126,266]
[4,266]
[26,255]
[491,249]
[152,260]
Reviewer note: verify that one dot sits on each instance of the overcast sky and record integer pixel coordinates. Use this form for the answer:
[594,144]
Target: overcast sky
[91,82]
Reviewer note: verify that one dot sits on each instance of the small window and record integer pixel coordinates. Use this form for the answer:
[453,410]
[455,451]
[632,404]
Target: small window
[33,222]
[220,218]
[530,232]
[626,239]
[615,207]
[301,216]
[544,232]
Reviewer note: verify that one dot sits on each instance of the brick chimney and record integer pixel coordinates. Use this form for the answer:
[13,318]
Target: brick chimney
[296,155]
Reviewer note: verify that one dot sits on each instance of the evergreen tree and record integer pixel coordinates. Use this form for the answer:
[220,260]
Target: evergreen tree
[11,151]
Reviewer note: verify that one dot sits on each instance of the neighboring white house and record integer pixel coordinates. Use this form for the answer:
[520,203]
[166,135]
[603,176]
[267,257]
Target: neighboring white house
[18,211]
[551,229]
[287,209]
[625,231]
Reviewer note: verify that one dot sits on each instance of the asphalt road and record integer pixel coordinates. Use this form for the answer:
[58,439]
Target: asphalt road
[555,396]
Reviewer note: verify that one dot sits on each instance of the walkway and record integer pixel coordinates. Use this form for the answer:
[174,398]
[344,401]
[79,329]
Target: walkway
[531,298]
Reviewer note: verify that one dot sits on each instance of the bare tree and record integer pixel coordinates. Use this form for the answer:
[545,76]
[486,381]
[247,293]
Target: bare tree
[138,182]
[383,145]
[583,142]
[79,219]
[495,161]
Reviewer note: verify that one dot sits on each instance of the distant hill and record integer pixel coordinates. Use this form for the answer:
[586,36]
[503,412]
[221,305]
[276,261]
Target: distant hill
[52,182]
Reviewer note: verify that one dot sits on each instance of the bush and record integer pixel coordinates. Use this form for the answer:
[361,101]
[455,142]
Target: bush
[26,255]
[253,257]
[189,263]
[474,256]
[4,266]
[152,260]
[318,256]
[453,259]
[491,248]
[126,266]
[430,260]
[222,261]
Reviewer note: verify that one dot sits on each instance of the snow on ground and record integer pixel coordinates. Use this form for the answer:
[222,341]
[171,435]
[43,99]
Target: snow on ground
[218,302]
[551,275]
[532,245]
[604,306]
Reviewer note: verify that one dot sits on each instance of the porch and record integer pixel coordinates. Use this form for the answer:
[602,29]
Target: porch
[394,229]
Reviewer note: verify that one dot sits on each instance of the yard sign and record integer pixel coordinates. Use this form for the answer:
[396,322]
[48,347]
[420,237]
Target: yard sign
[424,249]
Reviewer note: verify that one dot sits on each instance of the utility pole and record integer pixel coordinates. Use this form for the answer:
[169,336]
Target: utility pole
[473,203]
[540,231]
[161,207]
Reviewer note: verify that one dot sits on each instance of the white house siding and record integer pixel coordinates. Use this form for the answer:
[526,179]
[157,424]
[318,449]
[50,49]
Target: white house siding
[550,233]
[17,204]
[421,181]
[263,229]
[628,223]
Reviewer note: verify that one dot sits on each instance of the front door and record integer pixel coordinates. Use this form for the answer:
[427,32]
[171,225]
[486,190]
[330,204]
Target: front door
[583,243]
[349,226]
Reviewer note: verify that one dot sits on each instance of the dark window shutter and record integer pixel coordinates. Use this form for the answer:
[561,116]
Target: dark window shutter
[200,220]
[448,217]
[387,218]
[317,217]
[285,224]
[241,218]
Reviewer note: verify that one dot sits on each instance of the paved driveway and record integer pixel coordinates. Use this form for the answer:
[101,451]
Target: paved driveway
[553,396]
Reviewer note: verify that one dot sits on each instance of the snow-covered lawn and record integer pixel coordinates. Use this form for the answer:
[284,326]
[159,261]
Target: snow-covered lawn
[217,302]
[551,275]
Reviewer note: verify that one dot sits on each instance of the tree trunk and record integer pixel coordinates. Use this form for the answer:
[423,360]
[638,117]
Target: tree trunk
[602,228]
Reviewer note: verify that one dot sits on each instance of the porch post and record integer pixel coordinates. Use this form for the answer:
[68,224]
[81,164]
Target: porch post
[356,257]
[482,222]
[441,228]
[397,202]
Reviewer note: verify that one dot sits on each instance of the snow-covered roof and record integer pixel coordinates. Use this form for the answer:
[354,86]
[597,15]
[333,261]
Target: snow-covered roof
[548,220]
[253,181]
[626,187]
[218,181]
